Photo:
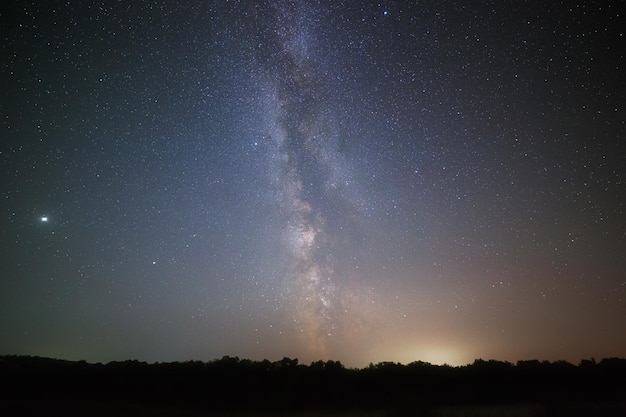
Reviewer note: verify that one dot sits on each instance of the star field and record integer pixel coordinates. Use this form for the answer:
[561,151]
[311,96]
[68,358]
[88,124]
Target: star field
[323,180]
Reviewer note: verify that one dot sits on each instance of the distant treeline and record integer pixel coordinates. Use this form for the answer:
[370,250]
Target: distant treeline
[233,383]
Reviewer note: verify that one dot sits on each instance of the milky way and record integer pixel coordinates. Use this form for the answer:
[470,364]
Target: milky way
[303,164]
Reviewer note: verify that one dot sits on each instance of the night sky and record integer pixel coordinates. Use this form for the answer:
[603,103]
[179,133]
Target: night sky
[357,181]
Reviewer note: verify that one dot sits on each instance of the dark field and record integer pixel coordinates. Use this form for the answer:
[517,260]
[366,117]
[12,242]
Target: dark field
[81,408]
[234,387]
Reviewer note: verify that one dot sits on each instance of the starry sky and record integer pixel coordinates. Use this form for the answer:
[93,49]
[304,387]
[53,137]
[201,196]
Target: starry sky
[357,181]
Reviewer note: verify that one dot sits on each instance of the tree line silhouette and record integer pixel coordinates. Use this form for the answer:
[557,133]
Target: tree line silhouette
[231,383]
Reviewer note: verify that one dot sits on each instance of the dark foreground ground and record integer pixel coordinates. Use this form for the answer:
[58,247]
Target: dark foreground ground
[101,409]
[232,387]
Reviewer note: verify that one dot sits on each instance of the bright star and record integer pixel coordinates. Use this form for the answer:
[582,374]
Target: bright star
[44,219]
